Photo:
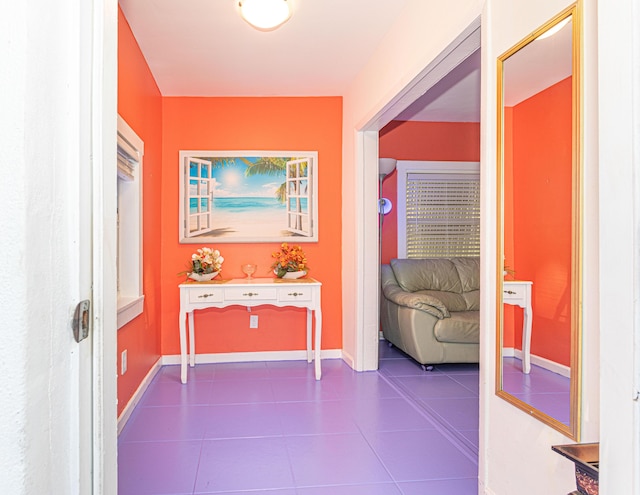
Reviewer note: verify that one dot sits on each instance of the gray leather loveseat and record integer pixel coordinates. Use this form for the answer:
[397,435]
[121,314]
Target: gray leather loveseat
[430,308]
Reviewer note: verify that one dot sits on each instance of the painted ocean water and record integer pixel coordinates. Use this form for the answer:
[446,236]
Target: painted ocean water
[248,216]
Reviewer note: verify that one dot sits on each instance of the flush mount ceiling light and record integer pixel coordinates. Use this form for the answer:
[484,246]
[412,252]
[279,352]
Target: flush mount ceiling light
[265,15]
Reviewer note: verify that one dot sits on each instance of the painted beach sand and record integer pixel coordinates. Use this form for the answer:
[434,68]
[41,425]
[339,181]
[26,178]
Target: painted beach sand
[248,217]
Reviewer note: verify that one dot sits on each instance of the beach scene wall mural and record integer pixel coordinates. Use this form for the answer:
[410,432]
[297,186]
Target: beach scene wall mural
[248,196]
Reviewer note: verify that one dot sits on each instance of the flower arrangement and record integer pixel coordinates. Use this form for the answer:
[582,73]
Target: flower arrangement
[289,259]
[203,262]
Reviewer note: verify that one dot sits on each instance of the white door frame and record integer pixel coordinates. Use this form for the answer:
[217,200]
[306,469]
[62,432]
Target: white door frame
[366,159]
[100,102]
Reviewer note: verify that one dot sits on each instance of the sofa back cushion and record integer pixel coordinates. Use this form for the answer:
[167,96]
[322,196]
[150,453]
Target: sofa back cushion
[469,272]
[472,299]
[427,274]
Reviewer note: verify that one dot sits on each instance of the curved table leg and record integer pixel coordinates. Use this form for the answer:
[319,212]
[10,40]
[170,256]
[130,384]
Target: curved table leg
[526,341]
[183,347]
[318,316]
[192,341]
[309,331]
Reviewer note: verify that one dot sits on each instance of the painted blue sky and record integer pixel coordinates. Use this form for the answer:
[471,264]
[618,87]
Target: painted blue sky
[230,181]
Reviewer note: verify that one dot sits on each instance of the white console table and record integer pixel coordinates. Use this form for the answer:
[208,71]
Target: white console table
[301,293]
[518,293]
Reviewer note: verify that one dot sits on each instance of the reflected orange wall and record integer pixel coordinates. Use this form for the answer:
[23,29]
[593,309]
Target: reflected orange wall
[542,193]
[429,141]
[140,104]
[306,124]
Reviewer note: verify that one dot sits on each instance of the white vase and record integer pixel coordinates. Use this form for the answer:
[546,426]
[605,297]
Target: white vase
[294,275]
[202,277]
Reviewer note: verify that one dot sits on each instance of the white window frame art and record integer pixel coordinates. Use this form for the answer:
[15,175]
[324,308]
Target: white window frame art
[225,200]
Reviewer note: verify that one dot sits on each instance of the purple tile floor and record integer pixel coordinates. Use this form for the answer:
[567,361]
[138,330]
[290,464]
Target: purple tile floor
[272,429]
[543,389]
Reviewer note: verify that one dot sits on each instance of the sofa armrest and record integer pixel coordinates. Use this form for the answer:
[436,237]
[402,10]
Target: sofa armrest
[421,302]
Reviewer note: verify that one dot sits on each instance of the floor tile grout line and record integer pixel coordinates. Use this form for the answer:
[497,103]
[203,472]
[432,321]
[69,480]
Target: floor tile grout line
[459,441]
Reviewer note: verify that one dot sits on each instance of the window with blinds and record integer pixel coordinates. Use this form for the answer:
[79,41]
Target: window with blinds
[439,216]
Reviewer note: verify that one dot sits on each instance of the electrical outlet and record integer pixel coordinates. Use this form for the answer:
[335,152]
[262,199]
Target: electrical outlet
[253,321]
[123,362]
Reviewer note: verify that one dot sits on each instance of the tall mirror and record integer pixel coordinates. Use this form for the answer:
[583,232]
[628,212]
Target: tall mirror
[539,224]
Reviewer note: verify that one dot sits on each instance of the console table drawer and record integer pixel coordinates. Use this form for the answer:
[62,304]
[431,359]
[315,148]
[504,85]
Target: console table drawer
[205,294]
[250,293]
[295,294]
[513,292]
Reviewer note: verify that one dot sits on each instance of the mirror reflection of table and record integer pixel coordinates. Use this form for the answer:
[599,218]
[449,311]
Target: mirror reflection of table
[518,293]
[301,293]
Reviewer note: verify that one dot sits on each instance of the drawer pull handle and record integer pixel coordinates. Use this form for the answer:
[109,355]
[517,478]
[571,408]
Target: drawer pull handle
[206,295]
[250,294]
[294,294]
[510,292]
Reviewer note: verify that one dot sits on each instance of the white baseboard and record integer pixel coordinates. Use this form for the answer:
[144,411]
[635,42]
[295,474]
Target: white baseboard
[243,357]
[137,395]
[545,363]
[348,358]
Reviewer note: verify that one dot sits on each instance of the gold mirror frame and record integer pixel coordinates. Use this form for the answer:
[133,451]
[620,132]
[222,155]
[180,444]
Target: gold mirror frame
[571,430]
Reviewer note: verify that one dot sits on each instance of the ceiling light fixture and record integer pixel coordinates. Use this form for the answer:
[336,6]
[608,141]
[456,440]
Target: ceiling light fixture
[265,15]
[555,29]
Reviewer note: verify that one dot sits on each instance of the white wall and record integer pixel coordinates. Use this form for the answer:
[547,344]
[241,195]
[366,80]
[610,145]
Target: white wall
[619,188]
[38,165]
[419,35]
[45,134]
[516,454]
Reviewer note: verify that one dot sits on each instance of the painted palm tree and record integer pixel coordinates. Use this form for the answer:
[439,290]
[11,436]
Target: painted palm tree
[269,165]
[266,165]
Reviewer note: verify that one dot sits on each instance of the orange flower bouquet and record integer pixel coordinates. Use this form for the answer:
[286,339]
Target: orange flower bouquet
[289,260]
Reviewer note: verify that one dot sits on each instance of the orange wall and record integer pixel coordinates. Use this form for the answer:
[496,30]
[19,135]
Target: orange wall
[429,141]
[306,124]
[542,194]
[140,105]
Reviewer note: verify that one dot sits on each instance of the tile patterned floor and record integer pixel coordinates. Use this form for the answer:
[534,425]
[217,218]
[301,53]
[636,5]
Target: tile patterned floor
[543,389]
[272,429]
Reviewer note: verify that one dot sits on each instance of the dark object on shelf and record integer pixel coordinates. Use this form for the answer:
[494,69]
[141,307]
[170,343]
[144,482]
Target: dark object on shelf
[586,457]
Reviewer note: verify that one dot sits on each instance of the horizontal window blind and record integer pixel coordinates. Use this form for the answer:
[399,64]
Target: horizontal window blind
[128,158]
[442,215]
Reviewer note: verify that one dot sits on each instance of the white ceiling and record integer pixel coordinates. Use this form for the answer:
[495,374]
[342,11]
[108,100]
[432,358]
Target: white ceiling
[204,48]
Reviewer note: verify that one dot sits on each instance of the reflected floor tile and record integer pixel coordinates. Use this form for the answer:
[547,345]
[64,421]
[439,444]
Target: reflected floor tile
[400,367]
[370,489]
[460,413]
[241,371]
[468,486]
[241,391]
[156,468]
[435,386]
[420,455]
[314,418]
[302,390]
[242,420]
[172,373]
[170,393]
[166,423]
[334,460]
[366,385]
[393,414]
[243,464]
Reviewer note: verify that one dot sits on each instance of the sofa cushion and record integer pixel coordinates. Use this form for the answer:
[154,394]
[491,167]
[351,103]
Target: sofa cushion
[426,274]
[472,299]
[462,328]
[450,300]
[469,272]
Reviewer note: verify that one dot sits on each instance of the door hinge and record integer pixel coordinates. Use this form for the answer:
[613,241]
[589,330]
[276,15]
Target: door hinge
[81,320]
